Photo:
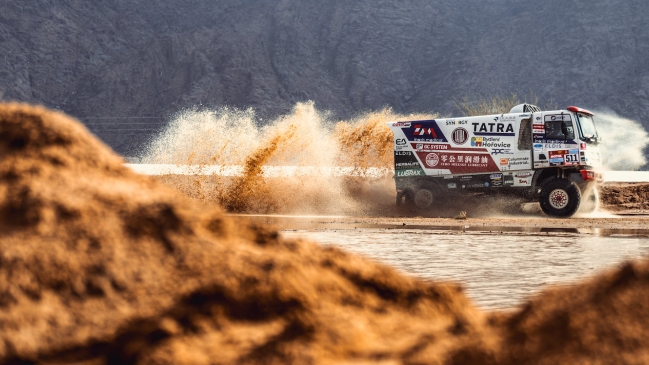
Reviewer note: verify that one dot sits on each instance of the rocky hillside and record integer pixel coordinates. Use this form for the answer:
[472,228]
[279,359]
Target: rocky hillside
[122,67]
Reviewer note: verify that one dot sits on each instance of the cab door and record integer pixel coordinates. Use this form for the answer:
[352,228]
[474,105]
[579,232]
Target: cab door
[554,138]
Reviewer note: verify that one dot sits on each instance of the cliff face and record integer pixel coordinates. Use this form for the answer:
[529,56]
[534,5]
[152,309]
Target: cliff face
[116,59]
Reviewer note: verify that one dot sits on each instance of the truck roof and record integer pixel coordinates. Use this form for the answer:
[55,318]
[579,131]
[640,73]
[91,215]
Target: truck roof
[577,109]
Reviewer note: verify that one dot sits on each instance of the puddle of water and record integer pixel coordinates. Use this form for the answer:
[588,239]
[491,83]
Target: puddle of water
[498,271]
[293,222]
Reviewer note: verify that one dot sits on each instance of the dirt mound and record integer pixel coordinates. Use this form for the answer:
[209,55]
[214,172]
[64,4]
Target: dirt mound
[603,320]
[624,196]
[102,266]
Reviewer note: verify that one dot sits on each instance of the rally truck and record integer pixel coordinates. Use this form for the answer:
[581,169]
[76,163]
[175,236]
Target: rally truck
[528,155]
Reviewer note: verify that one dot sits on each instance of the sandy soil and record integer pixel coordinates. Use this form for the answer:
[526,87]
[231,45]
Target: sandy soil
[625,197]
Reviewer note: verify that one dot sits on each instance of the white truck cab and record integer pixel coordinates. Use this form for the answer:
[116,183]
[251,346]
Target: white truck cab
[546,156]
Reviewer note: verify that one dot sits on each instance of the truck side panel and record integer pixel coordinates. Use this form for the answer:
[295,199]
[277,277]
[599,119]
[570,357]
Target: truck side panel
[461,146]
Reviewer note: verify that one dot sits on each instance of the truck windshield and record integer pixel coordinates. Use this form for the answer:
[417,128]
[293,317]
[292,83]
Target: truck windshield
[587,126]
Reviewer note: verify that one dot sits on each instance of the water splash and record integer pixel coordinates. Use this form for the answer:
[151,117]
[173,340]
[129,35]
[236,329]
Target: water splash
[624,142]
[305,137]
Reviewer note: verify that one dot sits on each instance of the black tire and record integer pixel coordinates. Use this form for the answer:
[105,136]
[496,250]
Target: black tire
[421,200]
[560,198]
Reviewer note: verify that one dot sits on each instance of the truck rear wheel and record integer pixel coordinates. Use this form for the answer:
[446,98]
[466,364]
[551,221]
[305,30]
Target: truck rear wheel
[423,198]
[560,198]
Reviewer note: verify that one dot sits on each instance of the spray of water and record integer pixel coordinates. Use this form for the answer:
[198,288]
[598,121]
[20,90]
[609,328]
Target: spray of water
[624,142]
[305,137]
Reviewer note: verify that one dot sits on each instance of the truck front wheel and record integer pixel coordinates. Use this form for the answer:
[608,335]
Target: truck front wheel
[560,198]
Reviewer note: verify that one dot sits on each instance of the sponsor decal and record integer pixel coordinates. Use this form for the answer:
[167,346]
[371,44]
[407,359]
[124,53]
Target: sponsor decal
[460,135]
[501,151]
[475,185]
[538,146]
[451,185]
[504,161]
[509,180]
[403,153]
[574,151]
[406,162]
[458,159]
[400,142]
[486,184]
[517,161]
[524,182]
[538,130]
[494,142]
[554,145]
[556,160]
[524,116]
[431,147]
[538,126]
[456,122]
[506,118]
[557,117]
[409,173]
[495,176]
[466,177]
[406,165]
[401,124]
[524,174]
[539,137]
[538,118]
[432,159]
[538,165]
[459,162]
[488,142]
[424,131]
[493,129]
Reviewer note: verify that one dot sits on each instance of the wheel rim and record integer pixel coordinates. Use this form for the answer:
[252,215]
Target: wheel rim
[558,198]
[423,198]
